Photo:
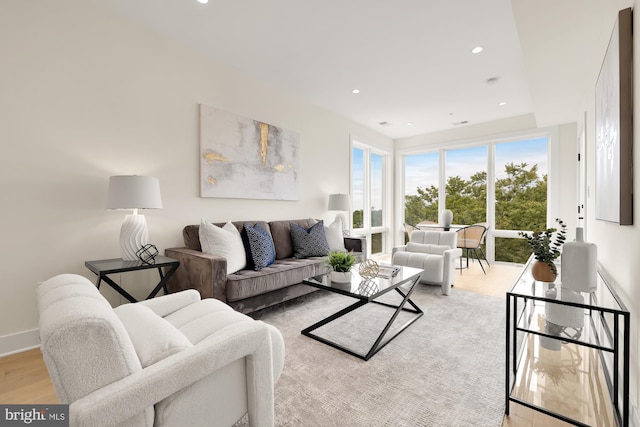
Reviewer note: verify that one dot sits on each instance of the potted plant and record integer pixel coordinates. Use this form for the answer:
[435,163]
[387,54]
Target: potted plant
[341,263]
[546,246]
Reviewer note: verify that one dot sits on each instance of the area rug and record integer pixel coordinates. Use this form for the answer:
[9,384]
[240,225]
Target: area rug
[447,369]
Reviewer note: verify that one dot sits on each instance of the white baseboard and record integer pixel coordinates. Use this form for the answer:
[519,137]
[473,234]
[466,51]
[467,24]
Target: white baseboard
[19,342]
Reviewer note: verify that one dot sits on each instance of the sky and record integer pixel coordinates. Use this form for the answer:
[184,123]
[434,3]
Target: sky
[421,170]
[358,180]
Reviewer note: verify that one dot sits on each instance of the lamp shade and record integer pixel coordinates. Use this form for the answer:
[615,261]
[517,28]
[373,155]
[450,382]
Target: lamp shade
[339,202]
[133,192]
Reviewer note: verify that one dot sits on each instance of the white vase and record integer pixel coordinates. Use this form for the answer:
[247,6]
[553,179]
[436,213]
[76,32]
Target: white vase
[446,217]
[579,264]
[341,277]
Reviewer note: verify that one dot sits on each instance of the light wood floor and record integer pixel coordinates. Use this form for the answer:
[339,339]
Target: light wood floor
[24,378]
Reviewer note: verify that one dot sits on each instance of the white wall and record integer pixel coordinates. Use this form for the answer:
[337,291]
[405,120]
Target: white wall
[618,246]
[86,95]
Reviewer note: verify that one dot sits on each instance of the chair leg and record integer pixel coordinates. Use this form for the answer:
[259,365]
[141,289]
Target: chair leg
[484,256]
[479,262]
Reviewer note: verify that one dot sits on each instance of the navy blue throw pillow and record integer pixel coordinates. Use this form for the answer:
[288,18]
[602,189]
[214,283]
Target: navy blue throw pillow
[308,243]
[258,246]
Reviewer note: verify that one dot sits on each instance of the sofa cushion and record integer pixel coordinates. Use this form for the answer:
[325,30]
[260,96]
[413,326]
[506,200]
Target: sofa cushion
[309,242]
[153,338]
[426,248]
[281,233]
[191,233]
[335,239]
[281,274]
[225,242]
[258,245]
[447,238]
[433,265]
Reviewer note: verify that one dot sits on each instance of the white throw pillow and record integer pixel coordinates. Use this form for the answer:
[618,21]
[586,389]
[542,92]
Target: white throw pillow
[153,337]
[225,242]
[333,232]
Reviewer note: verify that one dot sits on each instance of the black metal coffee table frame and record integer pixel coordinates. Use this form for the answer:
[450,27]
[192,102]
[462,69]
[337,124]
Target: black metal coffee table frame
[380,342]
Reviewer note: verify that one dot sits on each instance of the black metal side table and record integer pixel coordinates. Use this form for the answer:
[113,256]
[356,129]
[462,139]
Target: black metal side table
[103,267]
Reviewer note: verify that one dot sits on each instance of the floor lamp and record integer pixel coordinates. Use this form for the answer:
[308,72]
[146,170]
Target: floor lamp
[133,192]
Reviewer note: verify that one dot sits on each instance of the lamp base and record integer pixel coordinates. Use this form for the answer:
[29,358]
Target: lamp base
[343,224]
[134,234]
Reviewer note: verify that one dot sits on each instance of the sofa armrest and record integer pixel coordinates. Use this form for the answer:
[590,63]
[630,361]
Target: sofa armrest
[395,249]
[356,244]
[124,398]
[205,273]
[452,254]
[449,277]
[166,304]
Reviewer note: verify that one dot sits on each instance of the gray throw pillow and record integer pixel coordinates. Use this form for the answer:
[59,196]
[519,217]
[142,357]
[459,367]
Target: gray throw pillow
[309,242]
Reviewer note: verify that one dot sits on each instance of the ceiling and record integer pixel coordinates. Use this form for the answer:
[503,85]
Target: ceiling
[410,59]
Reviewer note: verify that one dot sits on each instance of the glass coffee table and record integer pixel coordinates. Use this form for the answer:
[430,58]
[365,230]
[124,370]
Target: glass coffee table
[367,291]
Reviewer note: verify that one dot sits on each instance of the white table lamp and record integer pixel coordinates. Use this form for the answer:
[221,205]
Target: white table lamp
[340,202]
[133,192]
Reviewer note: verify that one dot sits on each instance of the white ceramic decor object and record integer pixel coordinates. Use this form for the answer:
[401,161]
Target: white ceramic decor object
[579,264]
[446,217]
[564,315]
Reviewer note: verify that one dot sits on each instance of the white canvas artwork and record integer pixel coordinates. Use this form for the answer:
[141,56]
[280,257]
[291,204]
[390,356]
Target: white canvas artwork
[241,158]
[614,126]
[607,121]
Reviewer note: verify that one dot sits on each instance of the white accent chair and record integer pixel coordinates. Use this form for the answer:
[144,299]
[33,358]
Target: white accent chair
[433,251]
[175,360]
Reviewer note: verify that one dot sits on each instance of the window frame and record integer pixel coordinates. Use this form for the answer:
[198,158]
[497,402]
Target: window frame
[490,142]
[367,230]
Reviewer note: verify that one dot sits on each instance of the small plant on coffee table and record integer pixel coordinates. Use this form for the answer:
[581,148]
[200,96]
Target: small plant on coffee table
[341,261]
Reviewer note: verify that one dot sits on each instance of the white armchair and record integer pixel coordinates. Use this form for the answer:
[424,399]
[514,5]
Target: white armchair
[175,360]
[433,251]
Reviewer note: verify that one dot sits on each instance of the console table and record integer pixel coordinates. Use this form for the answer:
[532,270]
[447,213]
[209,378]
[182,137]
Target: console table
[103,267]
[544,317]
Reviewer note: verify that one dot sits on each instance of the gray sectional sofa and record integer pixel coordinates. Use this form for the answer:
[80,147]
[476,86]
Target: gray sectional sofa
[250,290]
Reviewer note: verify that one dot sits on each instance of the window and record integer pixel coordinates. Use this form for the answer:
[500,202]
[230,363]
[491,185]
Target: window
[421,186]
[466,184]
[502,183]
[521,194]
[369,195]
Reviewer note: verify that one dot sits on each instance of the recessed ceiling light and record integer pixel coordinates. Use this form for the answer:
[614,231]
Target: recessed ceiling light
[477,49]
[502,103]
[355,91]
[203,1]
[409,124]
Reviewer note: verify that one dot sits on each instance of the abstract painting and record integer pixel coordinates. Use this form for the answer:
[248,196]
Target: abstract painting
[241,158]
[614,127]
